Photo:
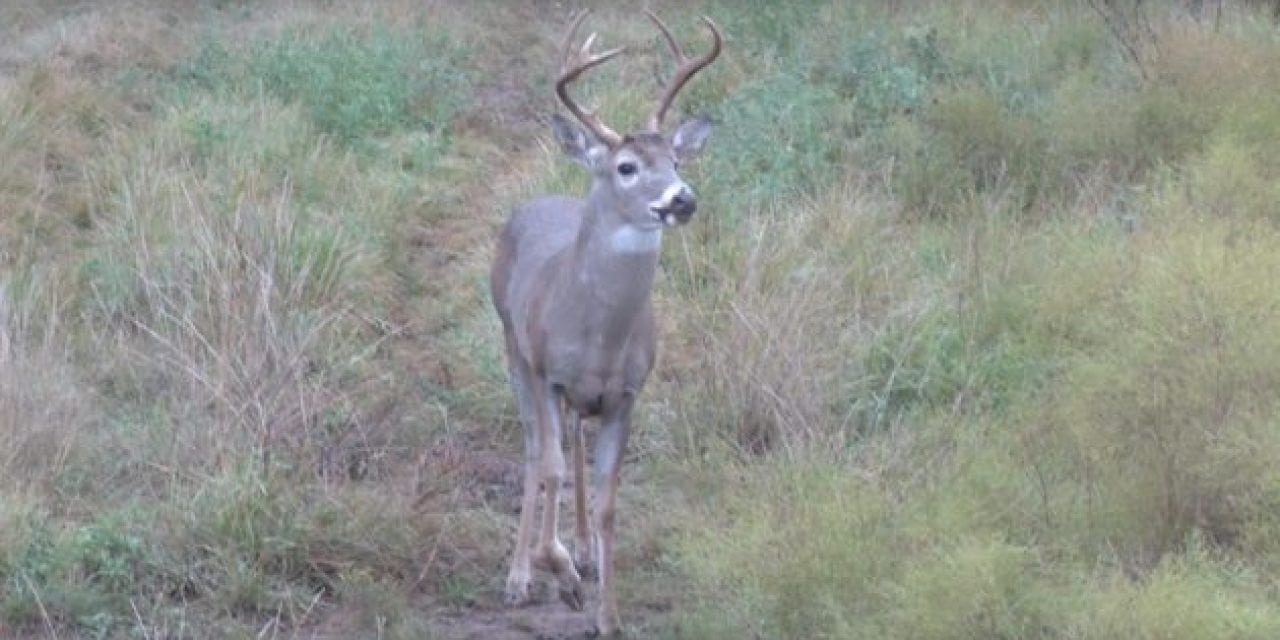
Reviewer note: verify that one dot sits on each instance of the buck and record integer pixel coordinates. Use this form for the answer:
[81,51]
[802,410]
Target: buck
[571,281]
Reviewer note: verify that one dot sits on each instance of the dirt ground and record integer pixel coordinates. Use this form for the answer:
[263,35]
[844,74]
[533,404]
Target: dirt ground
[547,619]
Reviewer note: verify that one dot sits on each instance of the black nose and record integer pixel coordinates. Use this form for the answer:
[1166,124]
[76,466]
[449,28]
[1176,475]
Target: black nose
[683,204]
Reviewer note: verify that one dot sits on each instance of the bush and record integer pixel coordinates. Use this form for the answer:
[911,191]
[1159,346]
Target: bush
[1169,413]
[866,567]
[817,589]
[1188,597]
[975,589]
[876,81]
[1235,176]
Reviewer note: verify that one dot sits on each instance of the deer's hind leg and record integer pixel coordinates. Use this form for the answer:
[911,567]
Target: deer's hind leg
[521,574]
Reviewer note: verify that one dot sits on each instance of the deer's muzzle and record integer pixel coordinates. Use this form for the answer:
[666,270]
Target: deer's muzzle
[677,208]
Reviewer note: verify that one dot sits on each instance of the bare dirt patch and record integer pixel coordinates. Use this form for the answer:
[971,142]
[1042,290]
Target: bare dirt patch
[546,619]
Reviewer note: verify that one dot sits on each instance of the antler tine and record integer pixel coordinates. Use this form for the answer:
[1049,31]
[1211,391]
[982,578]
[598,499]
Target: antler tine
[573,65]
[666,33]
[686,69]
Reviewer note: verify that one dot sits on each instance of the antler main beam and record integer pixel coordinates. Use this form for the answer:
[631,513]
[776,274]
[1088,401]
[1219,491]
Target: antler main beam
[686,69]
[573,64]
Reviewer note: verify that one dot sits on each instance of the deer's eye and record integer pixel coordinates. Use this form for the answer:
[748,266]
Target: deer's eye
[627,169]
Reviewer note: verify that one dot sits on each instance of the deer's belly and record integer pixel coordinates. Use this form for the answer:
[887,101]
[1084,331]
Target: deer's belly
[593,395]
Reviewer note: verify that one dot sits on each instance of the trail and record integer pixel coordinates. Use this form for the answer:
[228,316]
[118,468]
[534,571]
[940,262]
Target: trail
[505,128]
[546,619]
[645,607]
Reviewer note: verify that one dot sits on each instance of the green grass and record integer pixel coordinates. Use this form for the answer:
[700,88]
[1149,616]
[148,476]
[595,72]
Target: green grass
[974,335]
[353,85]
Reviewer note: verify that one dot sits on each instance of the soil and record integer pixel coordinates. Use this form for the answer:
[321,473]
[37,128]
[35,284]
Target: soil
[547,619]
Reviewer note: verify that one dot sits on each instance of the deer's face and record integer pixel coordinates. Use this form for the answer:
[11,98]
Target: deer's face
[641,175]
[647,188]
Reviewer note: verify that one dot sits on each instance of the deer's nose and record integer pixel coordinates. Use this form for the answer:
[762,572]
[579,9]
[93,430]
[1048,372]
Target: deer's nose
[683,204]
[676,205]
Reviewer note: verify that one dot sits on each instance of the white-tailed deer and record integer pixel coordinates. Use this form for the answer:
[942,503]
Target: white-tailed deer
[571,282]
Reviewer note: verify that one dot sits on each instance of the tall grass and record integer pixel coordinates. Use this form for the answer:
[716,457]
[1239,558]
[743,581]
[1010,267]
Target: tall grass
[194,383]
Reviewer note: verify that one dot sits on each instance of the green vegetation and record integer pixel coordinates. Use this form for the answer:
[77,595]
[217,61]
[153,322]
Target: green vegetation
[974,335]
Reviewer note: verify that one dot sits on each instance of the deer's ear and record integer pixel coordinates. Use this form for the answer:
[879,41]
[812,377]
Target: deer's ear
[690,137]
[574,140]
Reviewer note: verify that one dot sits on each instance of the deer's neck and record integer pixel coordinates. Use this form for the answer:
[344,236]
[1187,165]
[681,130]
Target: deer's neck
[613,267]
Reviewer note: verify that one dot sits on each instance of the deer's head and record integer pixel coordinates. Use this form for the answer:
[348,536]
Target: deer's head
[639,171]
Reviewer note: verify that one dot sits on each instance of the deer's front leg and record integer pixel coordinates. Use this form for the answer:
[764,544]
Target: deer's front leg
[551,552]
[612,440]
[521,574]
[582,547]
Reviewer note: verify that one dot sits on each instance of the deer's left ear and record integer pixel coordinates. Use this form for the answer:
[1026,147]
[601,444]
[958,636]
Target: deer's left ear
[690,137]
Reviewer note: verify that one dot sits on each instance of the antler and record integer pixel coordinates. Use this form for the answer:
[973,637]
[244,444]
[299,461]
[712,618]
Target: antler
[572,64]
[685,71]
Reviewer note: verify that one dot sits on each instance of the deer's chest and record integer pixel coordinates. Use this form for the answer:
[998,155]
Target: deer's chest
[595,378]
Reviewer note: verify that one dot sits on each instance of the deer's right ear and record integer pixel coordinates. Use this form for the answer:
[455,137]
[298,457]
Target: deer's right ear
[690,137]
[574,141]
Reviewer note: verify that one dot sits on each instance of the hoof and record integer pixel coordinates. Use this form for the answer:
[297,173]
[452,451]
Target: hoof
[572,595]
[516,594]
[616,632]
[607,623]
[586,568]
[584,558]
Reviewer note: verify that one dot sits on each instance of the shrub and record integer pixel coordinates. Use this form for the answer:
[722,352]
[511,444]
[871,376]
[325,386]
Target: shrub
[1187,597]
[1235,177]
[812,590]
[866,568]
[974,589]
[876,81]
[1164,412]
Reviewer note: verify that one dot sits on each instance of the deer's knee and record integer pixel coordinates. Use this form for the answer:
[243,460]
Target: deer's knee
[605,516]
[551,467]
